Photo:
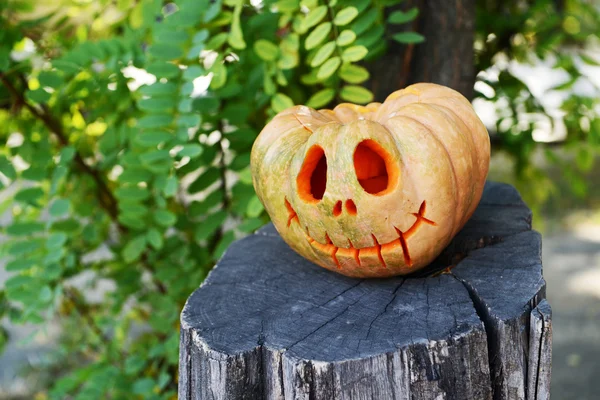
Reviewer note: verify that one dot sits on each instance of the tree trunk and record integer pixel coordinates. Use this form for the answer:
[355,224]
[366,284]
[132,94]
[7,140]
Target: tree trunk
[446,56]
[268,324]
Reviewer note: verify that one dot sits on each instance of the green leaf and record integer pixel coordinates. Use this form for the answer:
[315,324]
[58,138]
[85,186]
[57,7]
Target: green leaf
[134,364]
[205,179]
[7,168]
[354,53]
[30,195]
[216,41]
[212,11]
[50,79]
[373,37]
[20,264]
[192,72]
[280,102]
[356,94]
[60,207]
[169,188]
[408,37]
[38,95]
[191,150]
[255,207]
[209,225]
[321,98]
[266,50]
[314,17]
[584,158]
[144,386]
[134,249]
[589,60]
[223,244]
[155,238]
[200,36]
[155,156]
[171,36]
[155,121]
[56,240]
[24,228]
[152,138]
[188,120]
[67,154]
[163,69]
[250,225]
[400,17]
[323,54]
[164,218]
[165,51]
[159,89]
[236,36]
[199,208]
[219,76]
[346,37]
[4,61]
[328,68]
[25,247]
[365,21]
[154,104]
[353,73]
[132,193]
[345,16]
[317,36]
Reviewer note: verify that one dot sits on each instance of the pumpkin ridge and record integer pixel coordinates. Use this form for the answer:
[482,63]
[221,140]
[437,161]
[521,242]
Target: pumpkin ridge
[443,144]
[475,151]
[468,137]
[438,149]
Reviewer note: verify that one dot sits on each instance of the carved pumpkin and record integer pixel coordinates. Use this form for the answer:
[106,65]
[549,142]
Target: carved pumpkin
[373,191]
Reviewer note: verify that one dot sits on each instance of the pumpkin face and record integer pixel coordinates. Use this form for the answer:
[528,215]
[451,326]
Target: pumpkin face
[373,191]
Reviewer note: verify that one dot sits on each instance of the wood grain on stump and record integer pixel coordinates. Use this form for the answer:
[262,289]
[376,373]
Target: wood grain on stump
[266,323]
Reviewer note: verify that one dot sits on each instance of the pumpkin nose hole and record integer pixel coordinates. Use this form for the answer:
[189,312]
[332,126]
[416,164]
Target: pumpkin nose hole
[373,166]
[337,209]
[350,207]
[312,179]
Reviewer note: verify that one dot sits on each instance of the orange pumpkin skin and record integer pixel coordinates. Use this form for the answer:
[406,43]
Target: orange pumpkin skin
[373,191]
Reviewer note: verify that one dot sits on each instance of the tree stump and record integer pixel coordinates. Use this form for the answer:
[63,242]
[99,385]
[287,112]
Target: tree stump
[474,325]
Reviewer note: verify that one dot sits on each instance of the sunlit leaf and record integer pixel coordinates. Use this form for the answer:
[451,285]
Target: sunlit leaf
[345,16]
[266,50]
[328,68]
[356,94]
[353,73]
[314,16]
[317,35]
[346,37]
[323,54]
[321,98]
[354,53]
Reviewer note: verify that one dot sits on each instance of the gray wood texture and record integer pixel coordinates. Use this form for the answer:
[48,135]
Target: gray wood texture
[267,324]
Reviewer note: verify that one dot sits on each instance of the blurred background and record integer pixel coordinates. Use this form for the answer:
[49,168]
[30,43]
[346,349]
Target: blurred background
[126,127]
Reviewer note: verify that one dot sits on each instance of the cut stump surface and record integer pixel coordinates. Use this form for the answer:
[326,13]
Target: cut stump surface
[266,323]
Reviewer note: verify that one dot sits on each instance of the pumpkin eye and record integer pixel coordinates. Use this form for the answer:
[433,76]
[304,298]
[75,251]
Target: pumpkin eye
[374,167]
[312,179]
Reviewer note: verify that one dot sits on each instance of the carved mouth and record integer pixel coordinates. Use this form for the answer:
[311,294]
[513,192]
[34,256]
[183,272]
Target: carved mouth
[334,251]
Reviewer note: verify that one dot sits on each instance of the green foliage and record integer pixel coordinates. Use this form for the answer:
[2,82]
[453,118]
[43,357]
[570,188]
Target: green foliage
[155,177]
[143,180]
[559,34]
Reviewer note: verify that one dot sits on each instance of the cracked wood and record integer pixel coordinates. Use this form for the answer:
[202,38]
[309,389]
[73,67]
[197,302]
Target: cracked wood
[266,323]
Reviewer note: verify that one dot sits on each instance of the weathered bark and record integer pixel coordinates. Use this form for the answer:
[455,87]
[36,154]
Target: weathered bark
[268,324]
[446,56]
